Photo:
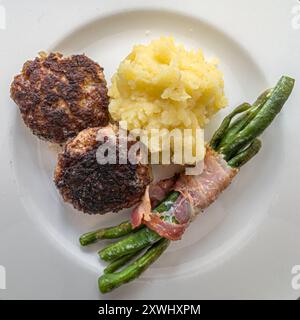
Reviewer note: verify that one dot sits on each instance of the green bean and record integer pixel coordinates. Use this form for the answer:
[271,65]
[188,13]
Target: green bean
[262,119]
[110,281]
[129,245]
[219,134]
[262,98]
[244,119]
[140,239]
[120,262]
[244,156]
[106,233]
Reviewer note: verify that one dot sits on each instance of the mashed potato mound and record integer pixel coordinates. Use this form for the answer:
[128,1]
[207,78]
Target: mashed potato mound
[164,86]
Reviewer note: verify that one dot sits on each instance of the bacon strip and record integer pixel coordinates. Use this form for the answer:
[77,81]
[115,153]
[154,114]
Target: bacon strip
[142,211]
[158,191]
[197,193]
[154,194]
[171,231]
[202,190]
[182,210]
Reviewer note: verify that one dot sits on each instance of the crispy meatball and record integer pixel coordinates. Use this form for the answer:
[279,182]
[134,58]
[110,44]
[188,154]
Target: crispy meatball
[60,96]
[98,188]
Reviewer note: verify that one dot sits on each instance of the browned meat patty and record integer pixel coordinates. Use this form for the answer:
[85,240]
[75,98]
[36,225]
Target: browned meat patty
[98,188]
[60,96]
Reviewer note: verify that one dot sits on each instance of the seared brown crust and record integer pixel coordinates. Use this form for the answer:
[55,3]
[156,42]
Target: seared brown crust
[94,188]
[58,97]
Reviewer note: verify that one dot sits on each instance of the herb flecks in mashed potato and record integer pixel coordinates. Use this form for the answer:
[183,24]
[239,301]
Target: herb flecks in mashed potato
[164,86]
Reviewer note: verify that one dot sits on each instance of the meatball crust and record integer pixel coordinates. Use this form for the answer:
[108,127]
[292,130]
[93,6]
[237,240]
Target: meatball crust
[60,96]
[98,188]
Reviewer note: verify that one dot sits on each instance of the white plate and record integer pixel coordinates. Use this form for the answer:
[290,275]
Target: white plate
[245,244]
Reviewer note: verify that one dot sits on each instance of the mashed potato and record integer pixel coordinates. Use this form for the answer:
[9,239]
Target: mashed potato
[164,86]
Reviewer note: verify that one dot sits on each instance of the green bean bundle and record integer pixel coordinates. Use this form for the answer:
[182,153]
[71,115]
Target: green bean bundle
[235,142]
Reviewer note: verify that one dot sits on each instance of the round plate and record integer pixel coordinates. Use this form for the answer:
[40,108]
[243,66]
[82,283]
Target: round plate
[216,234]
